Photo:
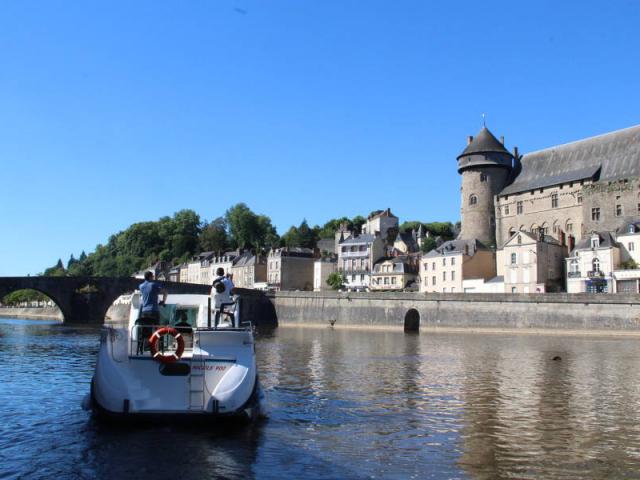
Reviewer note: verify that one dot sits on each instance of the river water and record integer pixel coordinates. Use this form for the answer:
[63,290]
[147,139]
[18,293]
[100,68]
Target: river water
[343,404]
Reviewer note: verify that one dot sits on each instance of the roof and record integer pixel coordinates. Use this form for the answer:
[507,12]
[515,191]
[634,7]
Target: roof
[606,241]
[631,228]
[364,238]
[291,252]
[606,157]
[498,279]
[381,213]
[453,247]
[484,142]
[245,259]
[532,236]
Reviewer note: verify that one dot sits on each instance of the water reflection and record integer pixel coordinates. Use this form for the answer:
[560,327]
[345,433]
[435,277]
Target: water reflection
[344,404]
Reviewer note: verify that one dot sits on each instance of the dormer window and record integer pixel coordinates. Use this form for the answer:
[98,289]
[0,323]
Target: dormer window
[631,229]
[595,242]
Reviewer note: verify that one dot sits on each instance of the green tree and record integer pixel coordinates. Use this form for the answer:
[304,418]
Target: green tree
[247,229]
[213,237]
[335,280]
[428,244]
[357,223]
[57,270]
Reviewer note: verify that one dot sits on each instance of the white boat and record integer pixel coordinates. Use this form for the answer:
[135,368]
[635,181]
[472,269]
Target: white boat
[184,366]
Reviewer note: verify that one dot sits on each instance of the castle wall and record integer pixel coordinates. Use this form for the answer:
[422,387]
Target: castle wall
[607,196]
[537,211]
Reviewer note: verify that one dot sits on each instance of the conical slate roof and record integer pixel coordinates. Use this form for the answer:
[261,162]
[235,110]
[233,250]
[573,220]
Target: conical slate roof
[484,142]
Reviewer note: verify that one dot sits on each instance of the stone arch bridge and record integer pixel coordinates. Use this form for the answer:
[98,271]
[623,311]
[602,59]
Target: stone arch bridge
[85,300]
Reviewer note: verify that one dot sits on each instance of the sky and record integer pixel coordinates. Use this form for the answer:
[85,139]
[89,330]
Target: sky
[115,112]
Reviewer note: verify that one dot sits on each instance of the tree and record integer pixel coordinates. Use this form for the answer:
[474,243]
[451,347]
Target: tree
[357,223]
[213,237]
[301,236]
[428,244]
[56,271]
[247,229]
[332,226]
[335,280]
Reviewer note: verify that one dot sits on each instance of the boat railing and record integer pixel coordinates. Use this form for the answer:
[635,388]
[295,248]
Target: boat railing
[140,335]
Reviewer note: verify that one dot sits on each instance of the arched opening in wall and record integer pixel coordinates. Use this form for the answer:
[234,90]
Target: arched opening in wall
[412,320]
[27,303]
[512,232]
[473,199]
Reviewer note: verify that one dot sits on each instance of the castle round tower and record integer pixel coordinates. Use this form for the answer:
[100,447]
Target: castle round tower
[485,166]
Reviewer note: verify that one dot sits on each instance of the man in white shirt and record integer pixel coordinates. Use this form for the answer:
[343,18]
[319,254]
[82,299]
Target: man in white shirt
[221,291]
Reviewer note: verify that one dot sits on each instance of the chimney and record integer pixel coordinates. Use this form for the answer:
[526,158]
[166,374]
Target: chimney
[502,139]
[515,152]
[469,139]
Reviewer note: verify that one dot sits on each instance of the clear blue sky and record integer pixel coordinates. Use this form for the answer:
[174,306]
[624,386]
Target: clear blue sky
[118,112]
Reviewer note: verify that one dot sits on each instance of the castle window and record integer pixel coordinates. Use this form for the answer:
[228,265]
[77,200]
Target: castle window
[473,200]
[512,232]
[519,208]
[514,259]
[595,214]
[554,200]
[569,226]
[483,177]
[618,210]
[579,198]
[638,207]
[506,210]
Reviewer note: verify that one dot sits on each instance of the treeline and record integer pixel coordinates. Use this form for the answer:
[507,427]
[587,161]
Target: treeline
[177,239]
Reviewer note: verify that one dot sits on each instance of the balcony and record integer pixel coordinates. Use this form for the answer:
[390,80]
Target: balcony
[364,253]
[354,271]
[595,274]
[574,274]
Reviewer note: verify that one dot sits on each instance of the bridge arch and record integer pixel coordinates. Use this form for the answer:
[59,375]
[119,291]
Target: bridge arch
[82,305]
[412,320]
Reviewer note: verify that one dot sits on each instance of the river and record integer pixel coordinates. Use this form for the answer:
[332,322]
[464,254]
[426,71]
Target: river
[343,404]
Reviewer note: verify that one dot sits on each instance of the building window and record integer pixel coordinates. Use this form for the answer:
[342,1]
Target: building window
[574,268]
[579,198]
[639,208]
[433,280]
[569,227]
[433,265]
[514,290]
[386,280]
[554,200]
[506,210]
[444,276]
[393,280]
[595,242]
[595,214]
[453,289]
[595,265]
[426,266]
[473,200]
[519,208]
[453,260]
[453,275]
[631,247]
[519,239]
[483,177]
[514,259]
[362,277]
[444,262]
[618,210]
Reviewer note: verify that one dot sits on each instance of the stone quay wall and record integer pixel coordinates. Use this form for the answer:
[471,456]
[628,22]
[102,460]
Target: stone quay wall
[32,313]
[609,313]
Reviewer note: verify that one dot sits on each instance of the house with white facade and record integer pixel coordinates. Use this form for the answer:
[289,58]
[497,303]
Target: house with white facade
[322,268]
[395,273]
[626,275]
[591,263]
[445,268]
[356,256]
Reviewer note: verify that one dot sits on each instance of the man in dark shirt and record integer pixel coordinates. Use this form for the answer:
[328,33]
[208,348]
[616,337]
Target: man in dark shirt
[149,308]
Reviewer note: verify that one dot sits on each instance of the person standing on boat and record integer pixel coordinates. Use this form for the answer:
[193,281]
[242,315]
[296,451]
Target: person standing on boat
[221,291]
[149,308]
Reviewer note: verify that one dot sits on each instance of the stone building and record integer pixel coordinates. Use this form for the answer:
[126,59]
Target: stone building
[322,268]
[290,268]
[573,189]
[395,273]
[443,269]
[356,256]
[222,260]
[379,223]
[532,263]
[248,269]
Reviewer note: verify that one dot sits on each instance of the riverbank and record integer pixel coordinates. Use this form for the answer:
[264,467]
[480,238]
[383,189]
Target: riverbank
[42,313]
[490,313]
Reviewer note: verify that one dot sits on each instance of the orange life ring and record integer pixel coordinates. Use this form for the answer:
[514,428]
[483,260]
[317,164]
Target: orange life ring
[153,345]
